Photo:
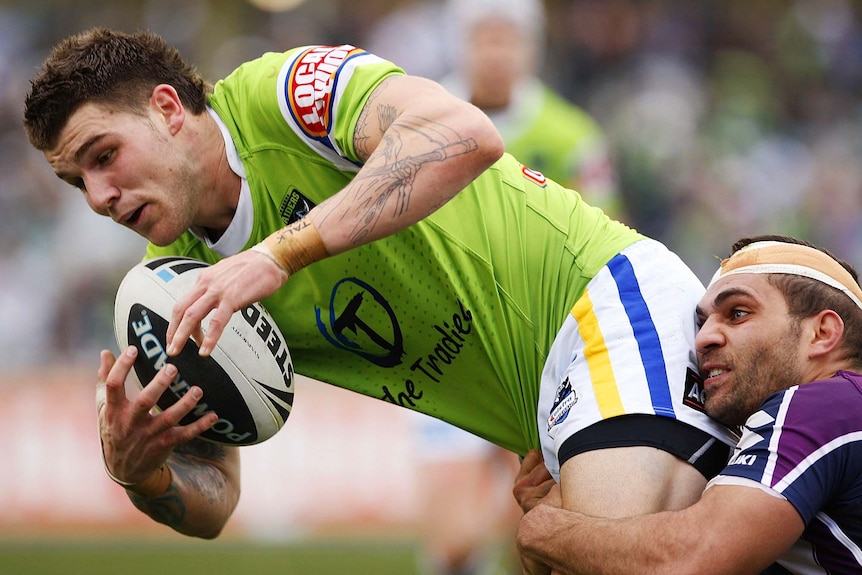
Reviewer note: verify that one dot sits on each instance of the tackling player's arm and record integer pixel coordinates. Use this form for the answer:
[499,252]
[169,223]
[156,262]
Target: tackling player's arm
[420,146]
[733,529]
[186,483]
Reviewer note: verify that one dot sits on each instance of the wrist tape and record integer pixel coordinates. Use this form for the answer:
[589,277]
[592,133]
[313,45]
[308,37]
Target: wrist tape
[293,247]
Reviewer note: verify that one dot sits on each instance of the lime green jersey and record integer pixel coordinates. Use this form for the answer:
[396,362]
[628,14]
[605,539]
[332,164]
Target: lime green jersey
[452,316]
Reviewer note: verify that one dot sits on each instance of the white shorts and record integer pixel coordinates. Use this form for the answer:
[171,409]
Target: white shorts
[626,348]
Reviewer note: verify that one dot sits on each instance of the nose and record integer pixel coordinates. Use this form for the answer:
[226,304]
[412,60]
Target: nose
[101,195]
[708,336]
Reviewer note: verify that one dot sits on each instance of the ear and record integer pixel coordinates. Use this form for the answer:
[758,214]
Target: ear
[166,104]
[827,332]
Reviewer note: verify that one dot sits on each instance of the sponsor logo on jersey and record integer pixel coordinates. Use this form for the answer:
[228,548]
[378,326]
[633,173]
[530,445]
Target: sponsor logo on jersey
[564,400]
[295,206]
[693,391]
[310,84]
[361,321]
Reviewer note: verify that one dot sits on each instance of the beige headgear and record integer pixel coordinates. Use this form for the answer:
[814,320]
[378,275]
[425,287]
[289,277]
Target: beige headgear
[771,257]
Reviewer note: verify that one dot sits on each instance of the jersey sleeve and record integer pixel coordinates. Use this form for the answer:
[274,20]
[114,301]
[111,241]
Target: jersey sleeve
[322,91]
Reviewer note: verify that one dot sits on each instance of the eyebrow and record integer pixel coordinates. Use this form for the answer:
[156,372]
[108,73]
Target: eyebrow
[79,154]
[722,297]
[85,147]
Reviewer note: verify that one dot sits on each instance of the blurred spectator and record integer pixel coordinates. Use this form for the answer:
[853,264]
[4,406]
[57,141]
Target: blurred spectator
[500,49]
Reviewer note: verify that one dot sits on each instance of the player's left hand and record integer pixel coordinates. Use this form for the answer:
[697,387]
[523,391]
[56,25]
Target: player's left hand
[223,289]
[136,441]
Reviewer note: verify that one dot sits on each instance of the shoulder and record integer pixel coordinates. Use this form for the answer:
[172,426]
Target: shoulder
[804,442]
[807,404]
[812,415]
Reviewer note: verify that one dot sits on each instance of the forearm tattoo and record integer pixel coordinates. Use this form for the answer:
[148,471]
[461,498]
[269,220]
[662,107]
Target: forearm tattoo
[389,171]
[191,468]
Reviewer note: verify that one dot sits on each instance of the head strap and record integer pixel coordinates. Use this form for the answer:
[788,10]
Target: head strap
[771,257]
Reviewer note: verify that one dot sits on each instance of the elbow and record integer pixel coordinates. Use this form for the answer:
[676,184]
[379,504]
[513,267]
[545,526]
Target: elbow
[210,535]
[211,526]
[491,145]
[480,135]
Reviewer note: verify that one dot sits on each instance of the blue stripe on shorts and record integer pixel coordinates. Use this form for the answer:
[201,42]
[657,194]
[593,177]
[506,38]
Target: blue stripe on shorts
[645,333]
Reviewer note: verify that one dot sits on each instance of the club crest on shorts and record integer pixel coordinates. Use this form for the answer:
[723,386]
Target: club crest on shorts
[564,400]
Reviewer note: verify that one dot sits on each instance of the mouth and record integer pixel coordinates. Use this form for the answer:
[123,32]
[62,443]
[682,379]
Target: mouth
[713,376]
[132,218]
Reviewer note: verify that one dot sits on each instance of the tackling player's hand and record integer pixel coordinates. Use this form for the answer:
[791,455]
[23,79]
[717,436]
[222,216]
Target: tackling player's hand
[137,440]
[223,289]
[533,481]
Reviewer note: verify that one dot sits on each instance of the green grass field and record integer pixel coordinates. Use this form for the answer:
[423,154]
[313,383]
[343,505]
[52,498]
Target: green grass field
[207,558]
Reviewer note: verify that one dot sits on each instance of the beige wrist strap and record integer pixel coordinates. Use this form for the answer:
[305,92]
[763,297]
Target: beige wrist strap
[294,247]
[153,486]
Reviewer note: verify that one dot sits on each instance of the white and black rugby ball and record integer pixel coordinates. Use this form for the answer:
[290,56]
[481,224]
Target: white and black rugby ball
[247,380]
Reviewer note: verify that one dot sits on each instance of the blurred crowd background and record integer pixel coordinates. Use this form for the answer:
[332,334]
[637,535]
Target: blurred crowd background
[724,117]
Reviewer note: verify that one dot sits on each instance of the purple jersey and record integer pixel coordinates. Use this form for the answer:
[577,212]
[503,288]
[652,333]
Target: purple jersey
[806,444]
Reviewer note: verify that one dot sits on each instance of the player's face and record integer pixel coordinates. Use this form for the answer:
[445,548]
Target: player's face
[129,168]
[748,346]
[496,58]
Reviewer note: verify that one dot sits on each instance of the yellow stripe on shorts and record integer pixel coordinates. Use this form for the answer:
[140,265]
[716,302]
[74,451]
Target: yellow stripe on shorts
[598,360]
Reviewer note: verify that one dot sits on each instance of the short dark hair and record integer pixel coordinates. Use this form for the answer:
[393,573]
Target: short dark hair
[807,297]
[108,67]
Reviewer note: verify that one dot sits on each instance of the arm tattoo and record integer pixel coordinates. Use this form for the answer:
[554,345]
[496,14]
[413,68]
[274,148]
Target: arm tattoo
[386,115]
[291,230]
[397,175]
[390,172]
[168,509]
[189,463]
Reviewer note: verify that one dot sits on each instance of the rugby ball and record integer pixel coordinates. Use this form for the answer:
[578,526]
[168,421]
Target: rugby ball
[247,380]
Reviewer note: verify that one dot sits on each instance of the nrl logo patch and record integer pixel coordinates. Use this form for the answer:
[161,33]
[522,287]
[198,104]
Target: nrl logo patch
[564,400]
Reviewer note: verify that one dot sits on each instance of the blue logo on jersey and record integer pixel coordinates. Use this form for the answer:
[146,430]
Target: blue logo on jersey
[362,321]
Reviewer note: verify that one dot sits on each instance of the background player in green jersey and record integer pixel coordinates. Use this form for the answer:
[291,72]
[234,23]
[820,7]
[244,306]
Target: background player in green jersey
[403,256]
[498,58]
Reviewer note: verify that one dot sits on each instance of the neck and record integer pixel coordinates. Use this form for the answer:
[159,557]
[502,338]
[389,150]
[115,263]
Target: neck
[221,185]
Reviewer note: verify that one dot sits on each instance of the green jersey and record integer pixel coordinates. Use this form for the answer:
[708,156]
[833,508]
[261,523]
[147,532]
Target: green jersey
[452,316]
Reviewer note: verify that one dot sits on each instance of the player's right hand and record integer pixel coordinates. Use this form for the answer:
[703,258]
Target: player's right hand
[222,288]
[136,438]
